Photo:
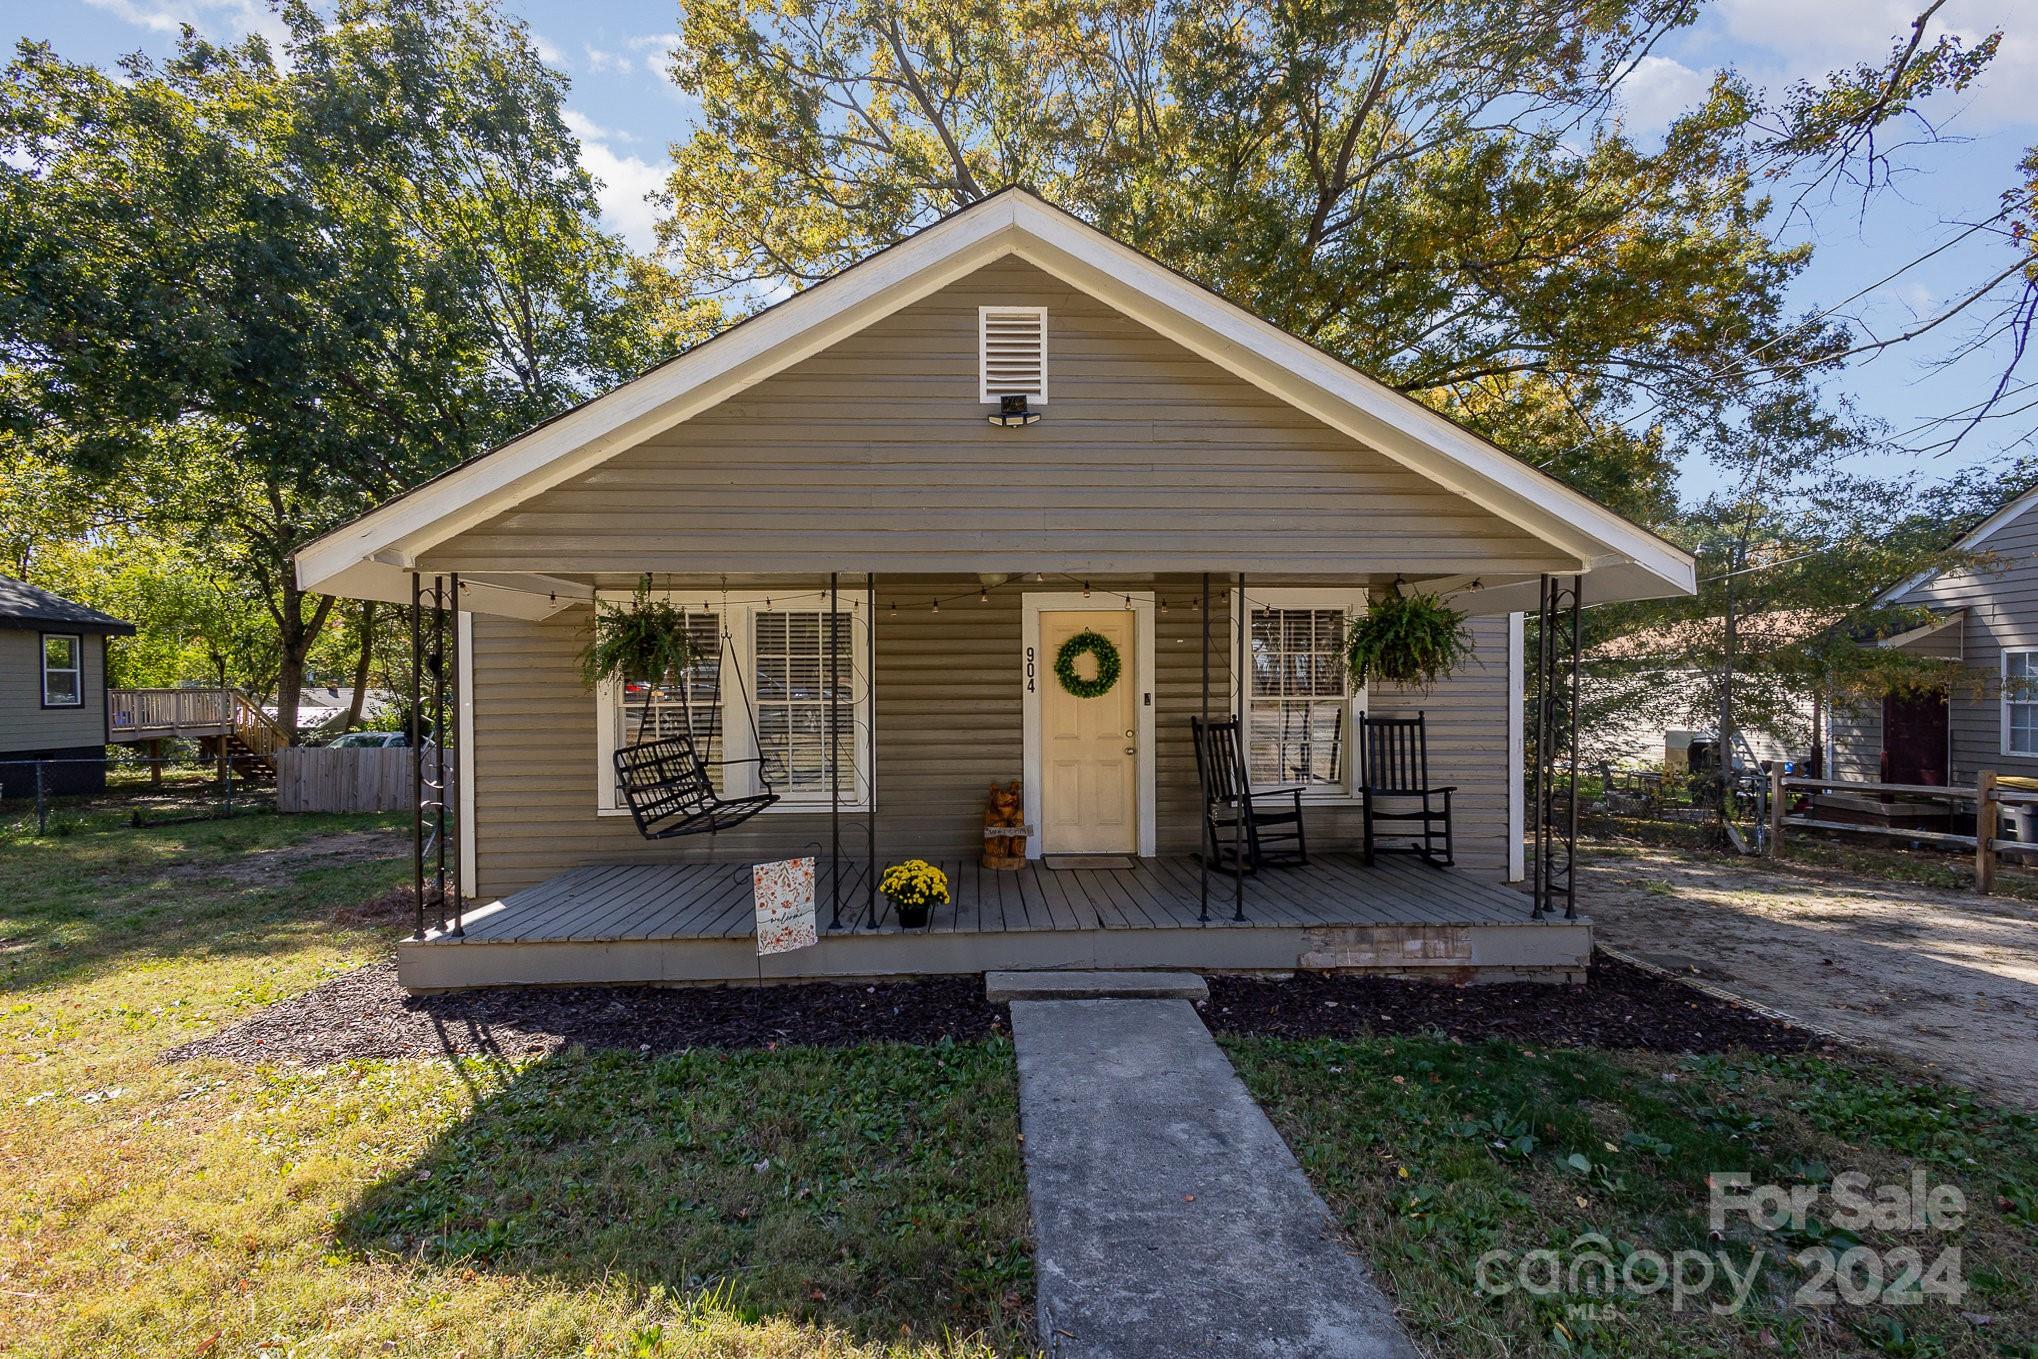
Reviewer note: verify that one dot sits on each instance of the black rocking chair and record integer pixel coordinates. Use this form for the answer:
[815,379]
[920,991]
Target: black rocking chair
[670,792]
[1394,763]
[1273,816]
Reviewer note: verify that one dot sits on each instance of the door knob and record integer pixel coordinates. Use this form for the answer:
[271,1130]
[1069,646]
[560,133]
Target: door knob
[1132,750]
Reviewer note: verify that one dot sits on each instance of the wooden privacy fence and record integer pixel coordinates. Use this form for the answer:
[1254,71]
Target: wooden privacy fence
[1987,796]
[360,779]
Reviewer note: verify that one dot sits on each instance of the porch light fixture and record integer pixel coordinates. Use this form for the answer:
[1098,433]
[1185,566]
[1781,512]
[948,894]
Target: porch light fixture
[1012,412]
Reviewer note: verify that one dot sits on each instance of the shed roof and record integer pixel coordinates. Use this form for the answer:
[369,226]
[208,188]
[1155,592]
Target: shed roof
[30,606]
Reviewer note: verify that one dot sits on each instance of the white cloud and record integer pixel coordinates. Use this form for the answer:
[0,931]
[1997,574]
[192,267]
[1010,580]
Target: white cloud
[588,130]
[600,60]
[547,51]
[214,18]
[626,182]
[657,51]
[1805,39]
[1657,91]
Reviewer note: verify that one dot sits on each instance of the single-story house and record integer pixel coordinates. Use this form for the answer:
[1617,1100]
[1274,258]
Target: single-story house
[1982,613]
[52,691]
[1002,432]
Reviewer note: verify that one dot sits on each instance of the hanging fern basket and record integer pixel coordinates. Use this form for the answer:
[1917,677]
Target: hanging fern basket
[645,639]
[1409,640]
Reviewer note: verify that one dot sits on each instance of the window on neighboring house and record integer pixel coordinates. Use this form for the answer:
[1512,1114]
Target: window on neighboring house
[2020,702]
[63,670]
[1300,715]
[782,648]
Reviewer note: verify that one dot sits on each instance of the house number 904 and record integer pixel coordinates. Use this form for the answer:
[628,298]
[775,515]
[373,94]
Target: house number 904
[1029,670]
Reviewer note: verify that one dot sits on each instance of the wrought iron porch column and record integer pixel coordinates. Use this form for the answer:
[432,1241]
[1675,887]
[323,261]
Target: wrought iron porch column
[417,757]
[1556,744]
[1203,856]
[835,750]
[437,652]
[870,801]
[457,782]
[1241,685]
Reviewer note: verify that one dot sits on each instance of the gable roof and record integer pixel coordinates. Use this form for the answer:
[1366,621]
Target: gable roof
[1967,542]
[370,556]
[28,606]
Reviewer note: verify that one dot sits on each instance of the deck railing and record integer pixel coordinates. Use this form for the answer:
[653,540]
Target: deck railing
[132,713]
[145,714]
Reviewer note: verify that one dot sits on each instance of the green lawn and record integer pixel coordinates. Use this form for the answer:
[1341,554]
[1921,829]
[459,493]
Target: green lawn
[794,1202]
[1434,1153]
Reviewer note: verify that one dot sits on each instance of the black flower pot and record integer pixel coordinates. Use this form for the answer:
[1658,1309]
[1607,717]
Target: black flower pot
[912,917]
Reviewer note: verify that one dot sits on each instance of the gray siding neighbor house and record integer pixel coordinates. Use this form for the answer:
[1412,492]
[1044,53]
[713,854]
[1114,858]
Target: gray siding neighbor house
[1984,615]
[52,690]
[886,505]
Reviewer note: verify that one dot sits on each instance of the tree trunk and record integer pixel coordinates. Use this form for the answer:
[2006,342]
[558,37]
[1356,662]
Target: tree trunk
[297,634]
[361,665]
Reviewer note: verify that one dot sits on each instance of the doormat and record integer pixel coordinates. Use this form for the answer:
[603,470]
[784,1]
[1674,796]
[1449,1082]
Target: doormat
[1061,861]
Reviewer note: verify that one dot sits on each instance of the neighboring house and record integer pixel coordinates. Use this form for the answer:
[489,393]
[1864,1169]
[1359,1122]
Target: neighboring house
[1985,616]
[321,706]
[851,436]
[52,690]
[1668,702]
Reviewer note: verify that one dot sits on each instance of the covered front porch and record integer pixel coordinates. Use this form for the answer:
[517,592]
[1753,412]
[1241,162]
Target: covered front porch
[694,922]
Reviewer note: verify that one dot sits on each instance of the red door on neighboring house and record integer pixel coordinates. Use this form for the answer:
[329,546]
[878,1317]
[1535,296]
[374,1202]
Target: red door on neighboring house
[1914,739]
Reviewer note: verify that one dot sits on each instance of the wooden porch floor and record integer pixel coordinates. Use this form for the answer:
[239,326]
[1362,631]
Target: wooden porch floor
[611,902]
[692,922]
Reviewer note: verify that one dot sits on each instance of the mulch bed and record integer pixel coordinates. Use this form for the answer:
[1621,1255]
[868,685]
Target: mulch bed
[1621,1006]
[365,1014]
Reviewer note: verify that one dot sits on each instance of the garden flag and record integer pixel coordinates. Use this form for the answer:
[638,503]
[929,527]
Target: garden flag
[785,905]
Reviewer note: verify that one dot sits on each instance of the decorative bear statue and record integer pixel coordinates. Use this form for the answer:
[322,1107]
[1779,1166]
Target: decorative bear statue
[1006,808]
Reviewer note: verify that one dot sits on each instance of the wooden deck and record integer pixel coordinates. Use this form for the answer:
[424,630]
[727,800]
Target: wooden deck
[693,922]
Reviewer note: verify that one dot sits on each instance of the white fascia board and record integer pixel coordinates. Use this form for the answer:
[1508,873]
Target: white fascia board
[710,373]
[1923,630]
[1343,398]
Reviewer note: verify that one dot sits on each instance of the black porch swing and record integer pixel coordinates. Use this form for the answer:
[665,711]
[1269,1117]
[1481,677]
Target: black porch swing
[667,783]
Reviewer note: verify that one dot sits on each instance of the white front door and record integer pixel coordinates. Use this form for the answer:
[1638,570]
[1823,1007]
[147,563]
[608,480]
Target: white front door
[1089,747]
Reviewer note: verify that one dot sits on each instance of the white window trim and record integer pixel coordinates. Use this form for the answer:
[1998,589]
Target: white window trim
[737,740]
[1353,600]
[2003,700]
[984,392]
[77,642]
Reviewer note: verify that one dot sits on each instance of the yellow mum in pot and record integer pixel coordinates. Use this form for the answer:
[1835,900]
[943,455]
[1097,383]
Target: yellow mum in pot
[914,887]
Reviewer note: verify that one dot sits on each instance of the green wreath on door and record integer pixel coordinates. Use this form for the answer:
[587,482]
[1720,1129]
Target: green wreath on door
[1109,666]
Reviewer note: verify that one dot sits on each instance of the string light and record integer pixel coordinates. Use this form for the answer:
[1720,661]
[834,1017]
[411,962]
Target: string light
[937,606]
[1086,589]
[984,595]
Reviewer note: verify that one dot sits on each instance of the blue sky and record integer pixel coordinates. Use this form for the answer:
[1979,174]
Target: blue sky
[626,113]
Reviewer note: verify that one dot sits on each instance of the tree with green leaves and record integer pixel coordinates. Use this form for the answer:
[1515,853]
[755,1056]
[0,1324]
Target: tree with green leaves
[258,292]
[1440,192]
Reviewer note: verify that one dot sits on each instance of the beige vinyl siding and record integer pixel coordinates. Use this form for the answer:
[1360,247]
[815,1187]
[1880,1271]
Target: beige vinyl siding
[1857,741]
[24,723]
[949,718]
[875,455]
[2001,600]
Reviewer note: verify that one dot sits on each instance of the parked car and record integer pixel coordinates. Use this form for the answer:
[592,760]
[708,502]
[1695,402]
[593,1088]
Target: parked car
[356,740]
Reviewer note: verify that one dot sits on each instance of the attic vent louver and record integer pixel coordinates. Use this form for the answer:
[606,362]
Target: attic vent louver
[1012,352]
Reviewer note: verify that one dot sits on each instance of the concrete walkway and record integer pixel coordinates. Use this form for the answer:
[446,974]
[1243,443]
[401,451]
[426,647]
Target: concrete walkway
[1171,1218]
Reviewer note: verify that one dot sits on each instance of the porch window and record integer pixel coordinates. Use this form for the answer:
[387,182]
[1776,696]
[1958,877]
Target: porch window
[791,650]
[63,670]
[780,641]
[2020,702]
[1300,711]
